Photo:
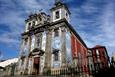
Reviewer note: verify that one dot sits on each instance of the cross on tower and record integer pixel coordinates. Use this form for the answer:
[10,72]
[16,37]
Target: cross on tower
[56,1]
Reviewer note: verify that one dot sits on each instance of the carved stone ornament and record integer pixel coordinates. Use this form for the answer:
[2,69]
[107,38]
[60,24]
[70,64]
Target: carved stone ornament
[63,29]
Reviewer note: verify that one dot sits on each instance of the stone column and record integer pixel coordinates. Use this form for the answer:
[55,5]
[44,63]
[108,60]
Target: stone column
[63,47]
[32,66]
[48,50]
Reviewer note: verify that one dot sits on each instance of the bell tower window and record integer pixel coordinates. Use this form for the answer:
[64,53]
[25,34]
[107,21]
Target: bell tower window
[59,11]
[57,15]
[25,41]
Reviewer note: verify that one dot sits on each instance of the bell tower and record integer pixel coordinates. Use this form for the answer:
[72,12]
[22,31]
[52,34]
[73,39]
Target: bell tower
[59,11]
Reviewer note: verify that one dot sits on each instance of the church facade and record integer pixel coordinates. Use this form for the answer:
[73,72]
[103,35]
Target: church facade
[50,42]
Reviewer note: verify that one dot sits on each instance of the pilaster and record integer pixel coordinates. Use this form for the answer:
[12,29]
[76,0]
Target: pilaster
[63,47]
[48,49]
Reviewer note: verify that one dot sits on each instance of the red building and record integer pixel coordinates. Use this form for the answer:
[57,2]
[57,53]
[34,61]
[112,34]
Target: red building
[79,51]
[100,57]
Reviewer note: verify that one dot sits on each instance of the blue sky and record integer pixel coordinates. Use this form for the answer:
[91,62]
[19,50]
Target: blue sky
[94,20]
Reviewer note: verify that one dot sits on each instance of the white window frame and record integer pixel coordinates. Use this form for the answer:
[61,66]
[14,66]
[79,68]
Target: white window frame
[54,14]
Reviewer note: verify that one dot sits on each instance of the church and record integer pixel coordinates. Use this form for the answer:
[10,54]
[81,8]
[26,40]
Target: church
[49,42]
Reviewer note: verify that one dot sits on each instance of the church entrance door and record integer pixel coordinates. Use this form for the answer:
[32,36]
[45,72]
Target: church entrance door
[36,64]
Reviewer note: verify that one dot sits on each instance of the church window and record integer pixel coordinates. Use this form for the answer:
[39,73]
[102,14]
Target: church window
[32,42]
[57,15]
[66,14]
[29,25]
[38,40]
[56,56]
[22,62]
[40,18]
[56,33]
[25,41]
[33,23]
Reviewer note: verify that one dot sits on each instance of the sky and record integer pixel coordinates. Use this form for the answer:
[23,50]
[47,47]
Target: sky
[94,20]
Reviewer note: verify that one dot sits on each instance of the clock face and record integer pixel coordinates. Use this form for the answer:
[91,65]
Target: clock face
[56,43]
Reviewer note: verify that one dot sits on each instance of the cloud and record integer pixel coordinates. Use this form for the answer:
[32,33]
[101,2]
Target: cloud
[93,19]
[13,14]
[12,21]
[7,38]
[108,26]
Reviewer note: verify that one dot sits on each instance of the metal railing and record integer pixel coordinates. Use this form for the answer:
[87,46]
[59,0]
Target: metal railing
[78,71]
